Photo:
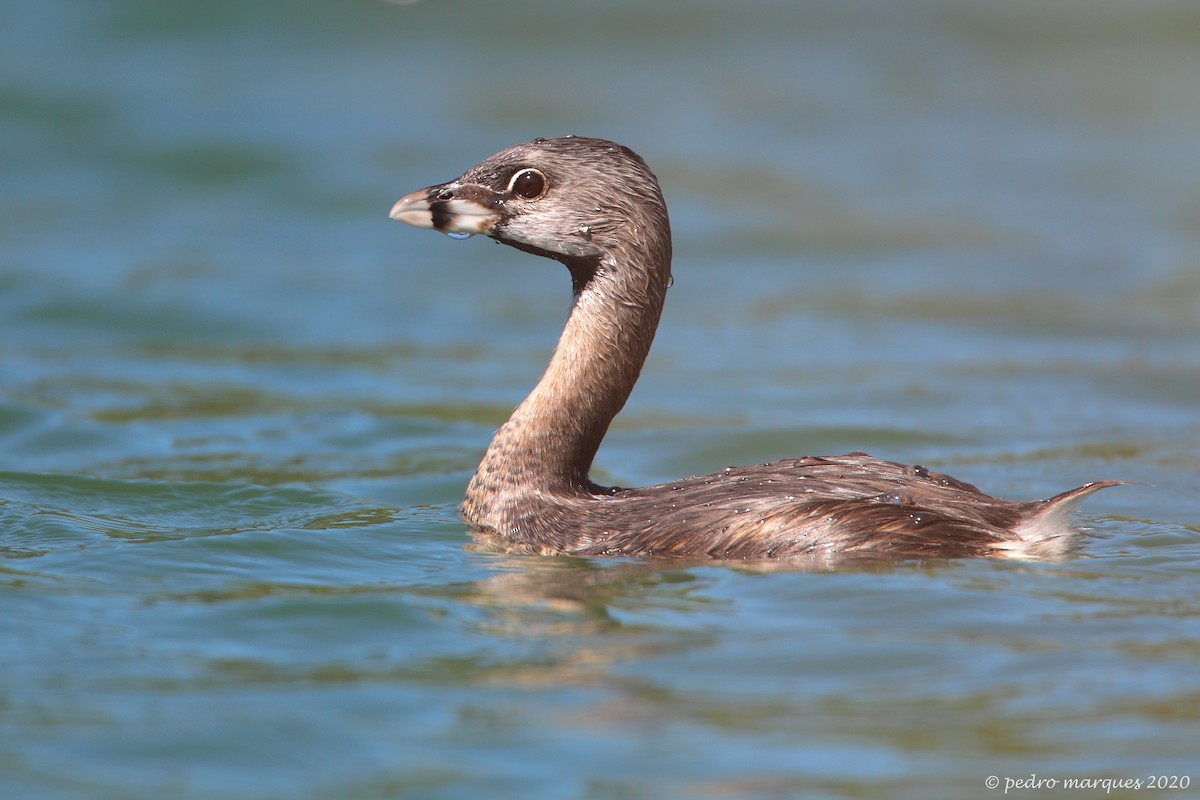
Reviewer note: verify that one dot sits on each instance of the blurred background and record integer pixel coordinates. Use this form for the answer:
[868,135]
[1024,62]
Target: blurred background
[238,405]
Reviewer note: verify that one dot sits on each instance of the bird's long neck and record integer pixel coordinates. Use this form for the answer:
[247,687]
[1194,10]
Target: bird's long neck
[547,445]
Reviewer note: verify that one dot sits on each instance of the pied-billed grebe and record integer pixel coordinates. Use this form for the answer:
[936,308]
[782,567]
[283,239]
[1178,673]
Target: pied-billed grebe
[596,207]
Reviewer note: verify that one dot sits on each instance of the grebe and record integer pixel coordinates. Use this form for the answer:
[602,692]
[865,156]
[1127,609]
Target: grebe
[596,207]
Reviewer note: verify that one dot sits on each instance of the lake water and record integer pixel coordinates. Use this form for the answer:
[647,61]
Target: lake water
[238,405]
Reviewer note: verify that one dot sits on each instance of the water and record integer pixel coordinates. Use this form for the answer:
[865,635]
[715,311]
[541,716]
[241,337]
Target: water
[238,405]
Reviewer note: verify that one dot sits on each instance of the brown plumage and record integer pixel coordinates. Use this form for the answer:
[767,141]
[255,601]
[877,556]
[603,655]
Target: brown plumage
[596,207]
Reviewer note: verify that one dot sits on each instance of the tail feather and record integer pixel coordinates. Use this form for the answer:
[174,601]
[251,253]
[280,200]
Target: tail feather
[1060,505]
[1048,531]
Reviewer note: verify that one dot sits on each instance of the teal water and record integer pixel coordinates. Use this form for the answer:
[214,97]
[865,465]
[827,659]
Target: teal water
[238,405]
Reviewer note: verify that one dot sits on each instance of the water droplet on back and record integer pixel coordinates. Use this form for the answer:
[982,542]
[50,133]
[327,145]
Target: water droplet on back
[459,236]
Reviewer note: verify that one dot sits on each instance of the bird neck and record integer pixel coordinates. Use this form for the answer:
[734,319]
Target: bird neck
[547,445]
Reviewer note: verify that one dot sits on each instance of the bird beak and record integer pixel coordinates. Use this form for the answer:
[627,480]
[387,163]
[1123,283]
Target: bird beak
[453,208]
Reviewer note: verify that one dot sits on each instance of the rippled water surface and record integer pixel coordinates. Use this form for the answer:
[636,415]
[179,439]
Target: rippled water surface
[238,405]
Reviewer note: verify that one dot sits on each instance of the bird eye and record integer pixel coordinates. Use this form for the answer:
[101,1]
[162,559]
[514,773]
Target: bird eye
[528,183]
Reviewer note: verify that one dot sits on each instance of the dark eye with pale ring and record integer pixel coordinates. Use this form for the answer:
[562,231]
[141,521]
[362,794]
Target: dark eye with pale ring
[528,183]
